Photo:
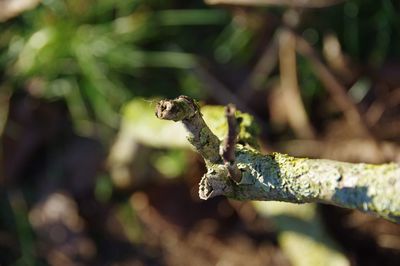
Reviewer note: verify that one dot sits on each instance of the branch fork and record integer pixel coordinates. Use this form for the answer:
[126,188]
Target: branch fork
[243,173]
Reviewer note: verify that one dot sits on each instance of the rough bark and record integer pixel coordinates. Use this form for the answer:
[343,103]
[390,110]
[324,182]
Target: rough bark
[200,136]
[279,177]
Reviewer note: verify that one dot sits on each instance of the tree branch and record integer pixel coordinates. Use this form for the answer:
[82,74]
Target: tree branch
[227,150]
[279,177]
[186,110]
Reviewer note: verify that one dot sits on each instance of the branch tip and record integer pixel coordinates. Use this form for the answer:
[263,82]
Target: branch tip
[177,109]
[187,110]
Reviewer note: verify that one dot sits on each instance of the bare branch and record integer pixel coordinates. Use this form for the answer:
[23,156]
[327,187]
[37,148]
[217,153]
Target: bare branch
[261,71]
[279,177]
[186,110]
[227,150]
[334,87]
[297,116]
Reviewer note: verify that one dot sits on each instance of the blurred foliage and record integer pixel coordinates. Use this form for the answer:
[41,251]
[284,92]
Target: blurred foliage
[368,30]
[99,55]
[171,163]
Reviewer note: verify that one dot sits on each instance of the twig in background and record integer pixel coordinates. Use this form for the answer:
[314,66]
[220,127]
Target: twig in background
[227,149]
[338,94]
[221,93]
[297,116]
[377,108]
[264,67]
[350,150]
[216,89]
[292,3]
[388,130]
[337,90]
[375,112]
[336,59]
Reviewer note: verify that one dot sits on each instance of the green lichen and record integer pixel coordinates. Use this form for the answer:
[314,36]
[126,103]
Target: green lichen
[272,177]
[204,133]
[371,188]
[214,117]
[289,166]
[280,177]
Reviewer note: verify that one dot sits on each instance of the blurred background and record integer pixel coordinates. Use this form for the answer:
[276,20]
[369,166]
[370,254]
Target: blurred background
[90,177]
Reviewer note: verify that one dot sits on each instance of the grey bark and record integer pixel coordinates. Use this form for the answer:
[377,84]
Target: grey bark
[279,177]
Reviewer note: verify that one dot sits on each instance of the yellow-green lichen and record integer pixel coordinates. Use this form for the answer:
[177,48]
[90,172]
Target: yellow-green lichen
[204,136]
[214,117]
[371,188]
[289,166]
